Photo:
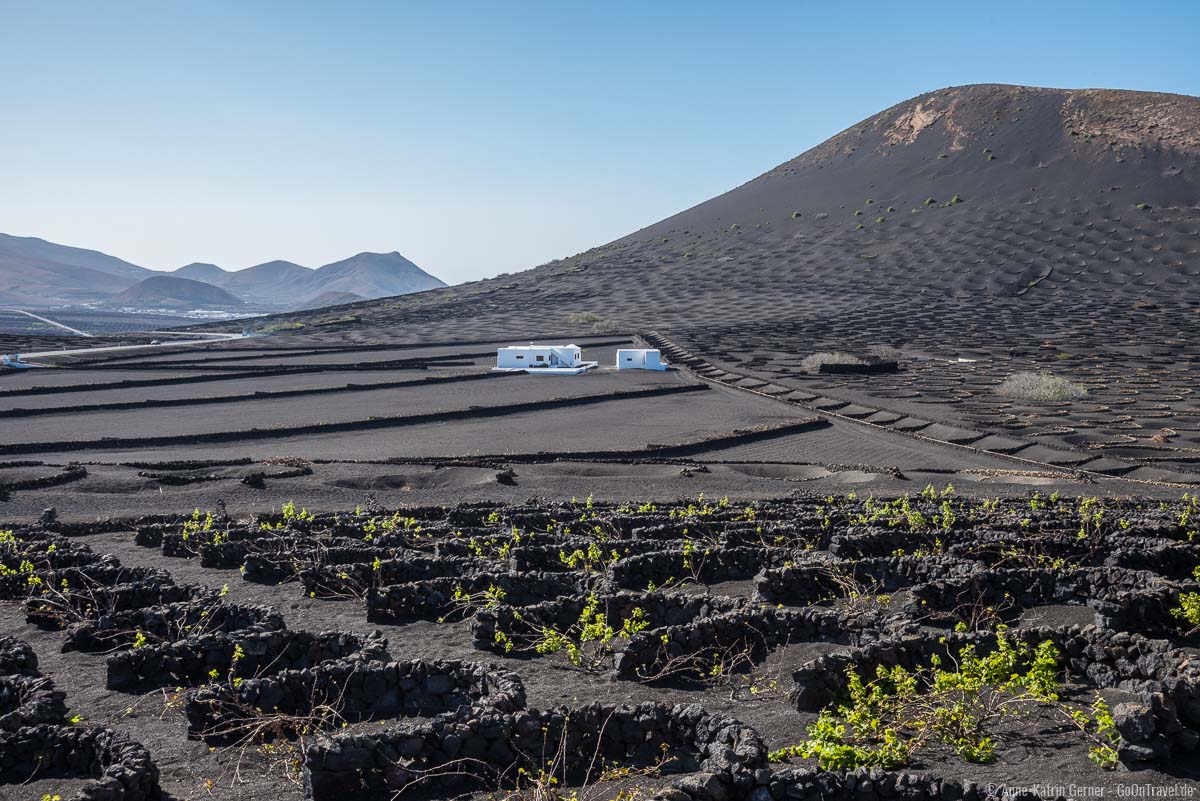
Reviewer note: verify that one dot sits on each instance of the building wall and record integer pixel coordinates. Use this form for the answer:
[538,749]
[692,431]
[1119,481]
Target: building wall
[639,359]
[510,357]
[631,359]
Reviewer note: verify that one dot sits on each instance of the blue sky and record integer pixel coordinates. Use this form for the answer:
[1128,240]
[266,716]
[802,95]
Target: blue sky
[482,137]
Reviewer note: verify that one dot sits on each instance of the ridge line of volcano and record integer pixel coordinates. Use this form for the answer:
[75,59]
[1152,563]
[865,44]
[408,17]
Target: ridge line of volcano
[351,425]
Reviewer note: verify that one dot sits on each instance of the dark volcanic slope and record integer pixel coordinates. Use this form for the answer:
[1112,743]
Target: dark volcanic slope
[328,299]
[961,196]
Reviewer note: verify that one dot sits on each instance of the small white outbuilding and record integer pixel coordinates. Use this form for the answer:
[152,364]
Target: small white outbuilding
[543,359]
[640,359]
[13,360]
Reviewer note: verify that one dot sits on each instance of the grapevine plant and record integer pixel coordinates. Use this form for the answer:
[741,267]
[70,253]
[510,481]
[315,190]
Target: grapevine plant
[887,721]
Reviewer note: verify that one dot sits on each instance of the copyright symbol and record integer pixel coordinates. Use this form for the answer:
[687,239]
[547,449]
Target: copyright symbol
[991,788]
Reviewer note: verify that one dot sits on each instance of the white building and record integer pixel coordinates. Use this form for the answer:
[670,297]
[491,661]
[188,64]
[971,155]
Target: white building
[543,359]
[640,359]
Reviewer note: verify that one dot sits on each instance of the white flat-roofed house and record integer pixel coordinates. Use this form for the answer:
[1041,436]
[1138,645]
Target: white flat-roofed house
[543,359]
[640,359]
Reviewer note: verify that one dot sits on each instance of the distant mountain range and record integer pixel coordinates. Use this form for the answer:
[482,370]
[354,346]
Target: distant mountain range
[35,273]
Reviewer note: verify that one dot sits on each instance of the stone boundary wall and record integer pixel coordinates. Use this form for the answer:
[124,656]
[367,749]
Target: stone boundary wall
[483,749]
[664,652]
[659,610]
[115,598]
[169,622]
[432,599]
[1124,600]
[526,558]
[324,581]
[192,661]
[120,769]
[866,541]
[17,658]
[101,573]
[814,581]
[28,701]
[709,565]
[356,691]
[875,784]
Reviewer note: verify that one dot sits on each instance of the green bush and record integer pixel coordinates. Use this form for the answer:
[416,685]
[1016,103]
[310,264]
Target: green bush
[888,721]
[1188,611]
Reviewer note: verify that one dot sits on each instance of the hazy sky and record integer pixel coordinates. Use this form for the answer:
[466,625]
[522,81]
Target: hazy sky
[479,138]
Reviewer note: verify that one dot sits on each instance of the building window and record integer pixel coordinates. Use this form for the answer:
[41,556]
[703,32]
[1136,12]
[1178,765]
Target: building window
[541,358]
[520,357]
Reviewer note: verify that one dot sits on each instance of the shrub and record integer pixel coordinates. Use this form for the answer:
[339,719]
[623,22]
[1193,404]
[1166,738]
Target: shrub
[813,363]
[1040,387]
[884,352]
[580,318]
[348,318]
[1188,611]
[274,327]
[605,327]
